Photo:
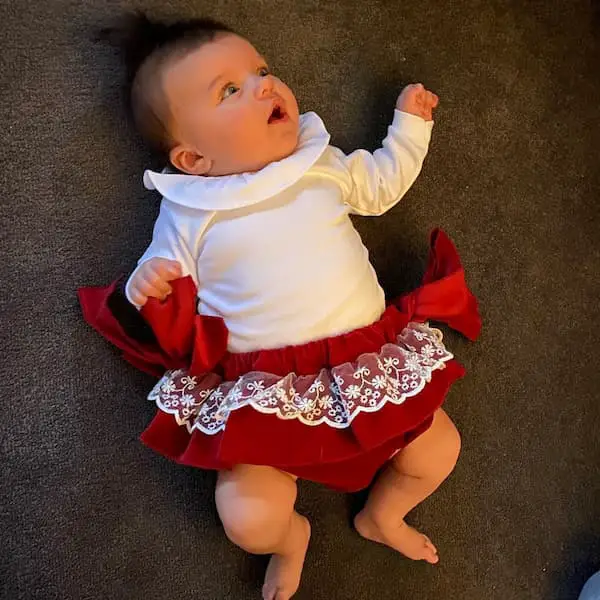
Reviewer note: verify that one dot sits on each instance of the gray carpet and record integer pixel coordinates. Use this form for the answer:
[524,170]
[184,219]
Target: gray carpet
[513,176]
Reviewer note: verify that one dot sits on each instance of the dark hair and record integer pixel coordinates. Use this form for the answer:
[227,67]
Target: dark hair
[147,46]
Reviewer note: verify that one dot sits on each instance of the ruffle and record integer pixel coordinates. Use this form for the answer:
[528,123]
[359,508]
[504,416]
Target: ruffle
[344,459]
[333,397]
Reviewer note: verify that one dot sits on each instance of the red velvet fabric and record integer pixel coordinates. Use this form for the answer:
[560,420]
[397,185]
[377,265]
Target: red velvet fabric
[94,301]
[183,339]
[345,459]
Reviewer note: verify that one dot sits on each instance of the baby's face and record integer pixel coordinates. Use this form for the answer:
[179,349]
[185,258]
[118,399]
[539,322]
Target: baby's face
[227,110]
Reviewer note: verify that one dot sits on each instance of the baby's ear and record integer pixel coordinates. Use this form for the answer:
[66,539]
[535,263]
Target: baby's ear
[189,161]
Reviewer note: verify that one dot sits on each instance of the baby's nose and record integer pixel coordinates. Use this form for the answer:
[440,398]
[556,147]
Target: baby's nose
[264,86]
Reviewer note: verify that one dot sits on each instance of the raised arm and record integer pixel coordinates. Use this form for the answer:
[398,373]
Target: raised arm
[381,179]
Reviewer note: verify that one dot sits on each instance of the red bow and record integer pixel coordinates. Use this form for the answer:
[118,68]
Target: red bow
[444,295]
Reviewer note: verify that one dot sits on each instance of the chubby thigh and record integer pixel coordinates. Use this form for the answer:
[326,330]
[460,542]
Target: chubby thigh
[255,504]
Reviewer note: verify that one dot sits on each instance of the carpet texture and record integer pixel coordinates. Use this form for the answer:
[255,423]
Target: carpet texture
[513,176]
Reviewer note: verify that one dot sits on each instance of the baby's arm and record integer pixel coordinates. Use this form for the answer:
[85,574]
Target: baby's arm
[168,257]
[382,178]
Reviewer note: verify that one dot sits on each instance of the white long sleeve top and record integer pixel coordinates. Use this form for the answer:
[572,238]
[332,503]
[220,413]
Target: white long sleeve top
[274,253]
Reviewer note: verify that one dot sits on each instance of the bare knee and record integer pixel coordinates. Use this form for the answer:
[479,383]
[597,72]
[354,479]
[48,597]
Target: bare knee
[255,531]
[434,454]
[445,447]
[450,451]
[255,507]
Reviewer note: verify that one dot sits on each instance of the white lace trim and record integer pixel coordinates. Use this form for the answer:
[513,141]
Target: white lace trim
[333,397]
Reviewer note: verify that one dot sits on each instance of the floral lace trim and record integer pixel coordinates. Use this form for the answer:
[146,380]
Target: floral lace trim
[334,397]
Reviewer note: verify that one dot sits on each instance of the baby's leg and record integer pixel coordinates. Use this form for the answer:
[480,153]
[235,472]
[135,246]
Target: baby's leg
[411,476]
[256,506]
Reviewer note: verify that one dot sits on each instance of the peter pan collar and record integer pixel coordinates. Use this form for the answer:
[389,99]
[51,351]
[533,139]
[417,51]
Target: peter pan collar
[229,192]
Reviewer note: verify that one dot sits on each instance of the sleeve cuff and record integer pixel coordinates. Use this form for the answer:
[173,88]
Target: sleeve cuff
[410,125]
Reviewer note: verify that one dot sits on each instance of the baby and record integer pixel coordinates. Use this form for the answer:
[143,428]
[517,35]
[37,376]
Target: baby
[316,379]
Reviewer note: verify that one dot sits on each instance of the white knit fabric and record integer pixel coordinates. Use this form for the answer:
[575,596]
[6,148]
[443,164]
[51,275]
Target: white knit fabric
[274,253]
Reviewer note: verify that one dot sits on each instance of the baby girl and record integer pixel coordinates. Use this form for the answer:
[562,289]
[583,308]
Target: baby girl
[293,365]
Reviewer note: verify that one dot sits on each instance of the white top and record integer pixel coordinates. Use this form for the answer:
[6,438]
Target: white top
[274,253]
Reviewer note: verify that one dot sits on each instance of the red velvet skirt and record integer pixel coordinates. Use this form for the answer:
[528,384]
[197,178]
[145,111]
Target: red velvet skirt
[331,411]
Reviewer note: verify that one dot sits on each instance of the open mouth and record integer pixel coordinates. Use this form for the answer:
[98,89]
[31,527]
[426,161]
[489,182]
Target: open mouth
[278,115]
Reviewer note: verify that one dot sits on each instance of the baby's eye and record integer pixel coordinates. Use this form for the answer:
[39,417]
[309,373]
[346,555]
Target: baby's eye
[264,71]
[229,90]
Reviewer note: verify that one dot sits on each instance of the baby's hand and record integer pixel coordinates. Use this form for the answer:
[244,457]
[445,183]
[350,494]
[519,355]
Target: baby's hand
[416,100]
[152,280]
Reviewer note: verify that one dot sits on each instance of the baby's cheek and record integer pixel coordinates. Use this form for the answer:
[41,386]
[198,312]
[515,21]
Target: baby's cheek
[290,100]
[239,132]
[237,125]
[203,127]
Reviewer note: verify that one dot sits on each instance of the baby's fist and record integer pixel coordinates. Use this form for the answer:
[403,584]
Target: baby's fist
[416,100]
[152,280]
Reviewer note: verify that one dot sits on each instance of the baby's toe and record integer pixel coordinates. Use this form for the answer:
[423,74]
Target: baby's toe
[429,543]
[431,553]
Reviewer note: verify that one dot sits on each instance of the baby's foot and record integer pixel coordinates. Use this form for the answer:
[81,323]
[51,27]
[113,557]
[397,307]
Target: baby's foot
[284,570]
[402,537]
